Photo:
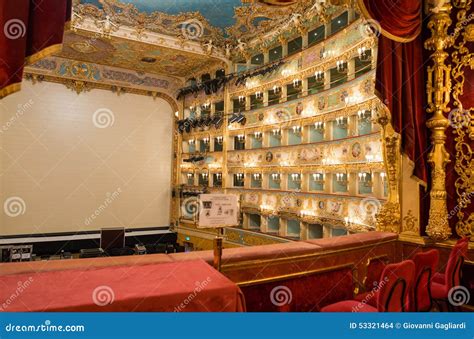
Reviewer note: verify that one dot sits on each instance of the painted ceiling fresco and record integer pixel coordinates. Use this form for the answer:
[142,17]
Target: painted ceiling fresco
[133,55]
[216,30]
[219,13]
[218,20]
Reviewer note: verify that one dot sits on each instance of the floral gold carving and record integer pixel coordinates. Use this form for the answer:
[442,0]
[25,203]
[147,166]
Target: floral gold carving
[438,91]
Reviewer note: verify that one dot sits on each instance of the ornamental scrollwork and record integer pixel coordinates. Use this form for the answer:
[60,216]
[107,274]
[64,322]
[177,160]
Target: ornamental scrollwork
[461,117]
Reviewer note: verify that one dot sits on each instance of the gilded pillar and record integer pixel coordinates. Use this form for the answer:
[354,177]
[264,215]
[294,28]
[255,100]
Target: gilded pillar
[438,92]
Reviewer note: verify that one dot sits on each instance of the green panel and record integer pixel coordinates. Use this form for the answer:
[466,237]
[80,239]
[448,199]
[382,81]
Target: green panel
[295,45]
[254,221]
[293,185]
[218,147]
[257,59]
[315,231]
[315,135]
[255,103]
[293,138]
[202,147]
[273,224]
[276,53]
[255,183]
[273,98]
[315,86]
[339,132]
[338,23]
[191,181]
[337,232]
[365,189]
[203,181]
[337,186]
[364,126]
[274,141]
[238,183]
[215,181]
[238,145]
[293,228]
[316,35]
[337,78]
[219,107]
[257,143]
[241,68]
[315,186]
[273,184]
[362,67]
[238,105]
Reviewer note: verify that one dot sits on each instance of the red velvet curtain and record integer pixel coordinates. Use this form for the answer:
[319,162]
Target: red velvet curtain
[399,79]
[29,31]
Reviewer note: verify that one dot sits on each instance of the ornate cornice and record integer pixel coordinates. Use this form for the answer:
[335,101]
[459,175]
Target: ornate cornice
[83,84]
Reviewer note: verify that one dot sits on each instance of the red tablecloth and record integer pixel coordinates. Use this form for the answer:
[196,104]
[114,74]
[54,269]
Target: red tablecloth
[188,286]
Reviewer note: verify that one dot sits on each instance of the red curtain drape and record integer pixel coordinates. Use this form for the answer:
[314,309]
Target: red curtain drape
[29,31]
[399,79]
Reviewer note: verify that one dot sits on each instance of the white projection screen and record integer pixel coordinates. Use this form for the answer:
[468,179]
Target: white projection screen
[72,163]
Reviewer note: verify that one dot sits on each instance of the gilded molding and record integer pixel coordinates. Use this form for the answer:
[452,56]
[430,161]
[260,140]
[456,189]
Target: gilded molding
[80,86]
[438,93]
[389,218]
[462,118]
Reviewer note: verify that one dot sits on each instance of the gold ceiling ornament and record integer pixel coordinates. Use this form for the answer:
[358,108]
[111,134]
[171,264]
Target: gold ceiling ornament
[389,217]
[438,92]
[462,118]
[77,85]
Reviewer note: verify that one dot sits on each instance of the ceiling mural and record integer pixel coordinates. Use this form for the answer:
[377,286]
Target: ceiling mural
[217,12]
[133,55]
[222,22]
[185,38]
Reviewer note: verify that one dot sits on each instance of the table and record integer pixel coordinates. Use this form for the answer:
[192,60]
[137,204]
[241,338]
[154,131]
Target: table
[187,286]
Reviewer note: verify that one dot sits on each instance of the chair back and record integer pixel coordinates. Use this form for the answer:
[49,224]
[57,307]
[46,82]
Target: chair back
[394,285]
[455,262]
[425,266]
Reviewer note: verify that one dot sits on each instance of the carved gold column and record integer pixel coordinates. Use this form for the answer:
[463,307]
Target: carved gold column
[438,91]
[389,217]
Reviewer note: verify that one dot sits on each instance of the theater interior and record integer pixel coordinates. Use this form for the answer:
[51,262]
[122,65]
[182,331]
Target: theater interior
[332,139]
